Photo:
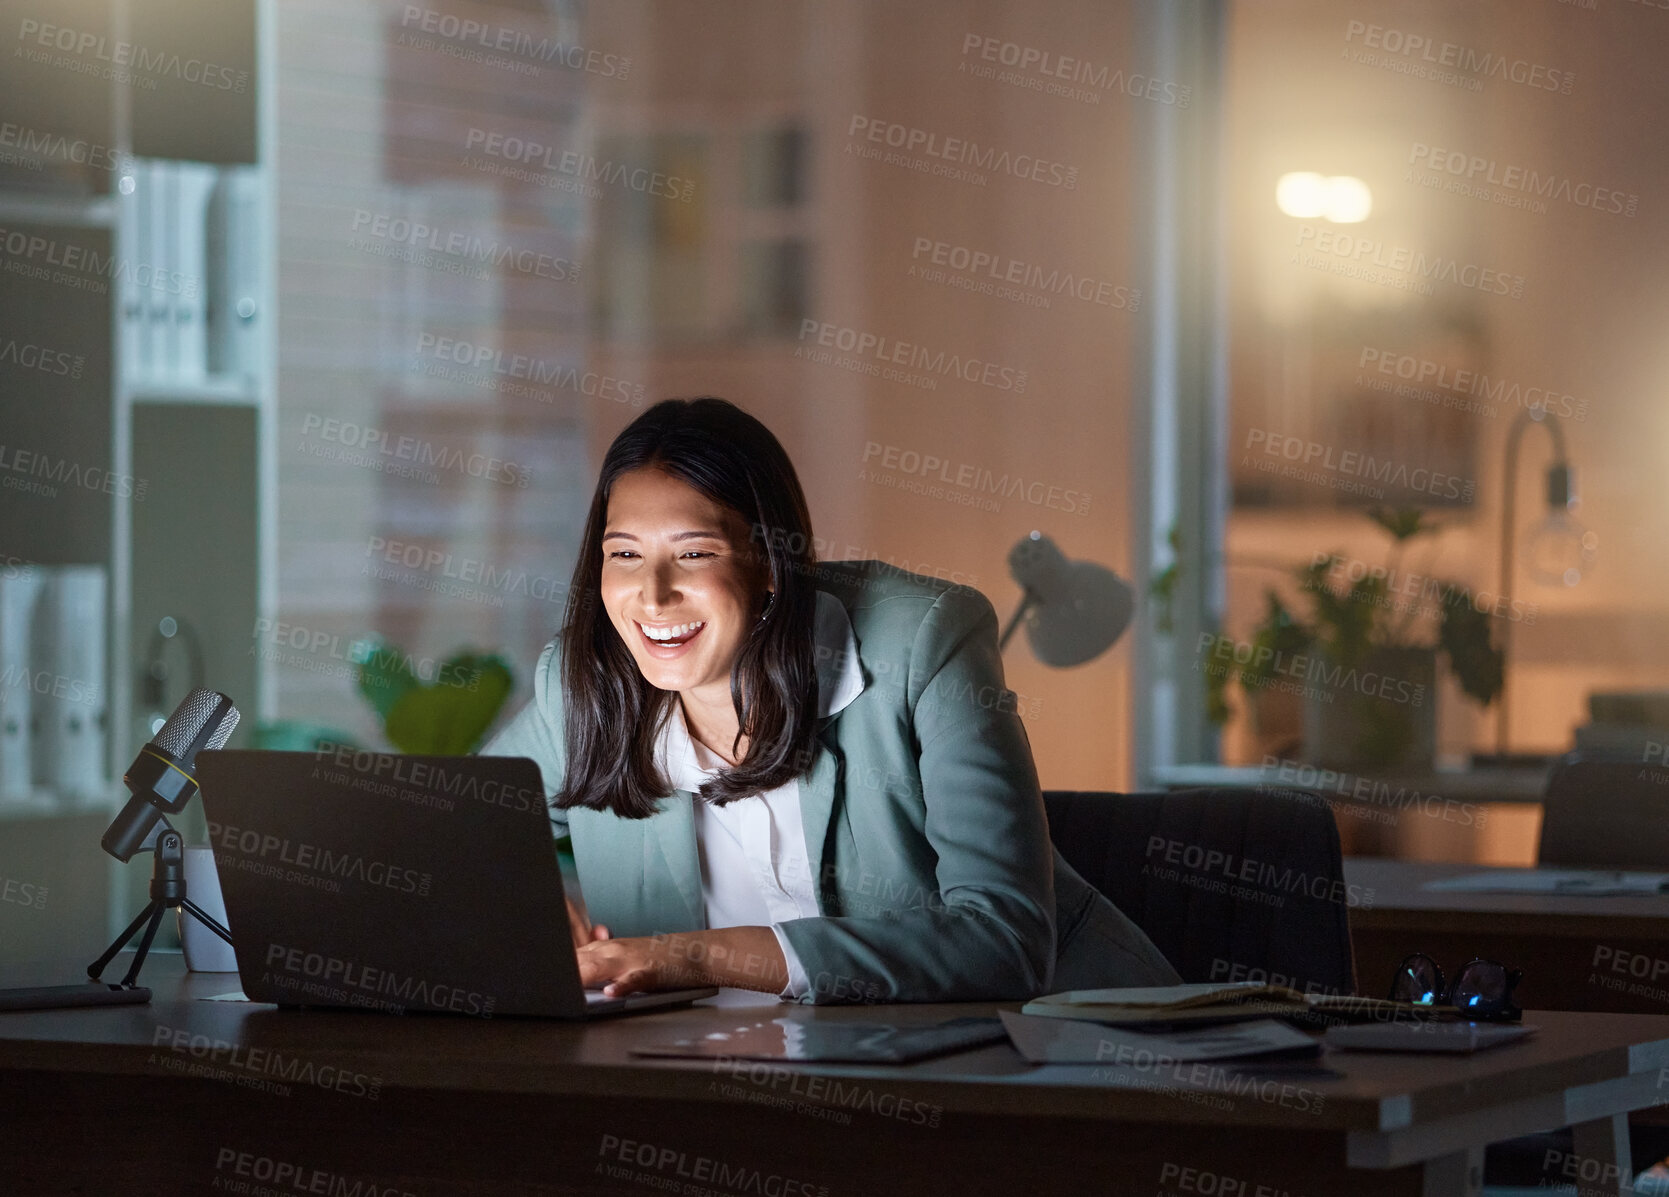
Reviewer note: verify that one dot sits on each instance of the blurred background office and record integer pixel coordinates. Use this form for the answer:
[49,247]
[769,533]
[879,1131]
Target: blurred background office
[1335,329]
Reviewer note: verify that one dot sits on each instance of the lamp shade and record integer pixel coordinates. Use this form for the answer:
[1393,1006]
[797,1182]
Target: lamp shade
[1074,610]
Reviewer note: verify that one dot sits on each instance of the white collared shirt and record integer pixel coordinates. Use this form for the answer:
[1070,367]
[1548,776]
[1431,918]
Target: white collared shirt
[755,869]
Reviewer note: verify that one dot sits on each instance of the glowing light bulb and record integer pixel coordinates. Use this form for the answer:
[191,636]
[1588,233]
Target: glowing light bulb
[1560,550]
[1302,194]
[1341,199]
[1348,200]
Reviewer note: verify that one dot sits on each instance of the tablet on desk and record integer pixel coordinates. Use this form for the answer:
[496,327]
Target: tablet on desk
[1462,1037]
[59,997]
[809,1041]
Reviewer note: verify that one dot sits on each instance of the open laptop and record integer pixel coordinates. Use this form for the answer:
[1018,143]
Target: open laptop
[401,883]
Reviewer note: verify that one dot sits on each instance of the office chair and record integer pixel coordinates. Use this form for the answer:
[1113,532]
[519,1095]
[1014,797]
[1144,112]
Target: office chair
[1230,884]
[1606,812]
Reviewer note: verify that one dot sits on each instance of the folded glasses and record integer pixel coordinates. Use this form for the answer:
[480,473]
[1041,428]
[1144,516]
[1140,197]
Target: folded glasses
[1482,989]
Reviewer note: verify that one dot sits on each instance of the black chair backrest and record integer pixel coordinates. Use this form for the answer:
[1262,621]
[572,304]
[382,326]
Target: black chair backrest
[1606,813]
[1231,885]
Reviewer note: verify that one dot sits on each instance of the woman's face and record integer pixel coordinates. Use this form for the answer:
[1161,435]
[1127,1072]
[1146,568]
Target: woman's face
[679,582]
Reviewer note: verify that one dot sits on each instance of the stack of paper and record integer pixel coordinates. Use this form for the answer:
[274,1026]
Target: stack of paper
[1171,1003]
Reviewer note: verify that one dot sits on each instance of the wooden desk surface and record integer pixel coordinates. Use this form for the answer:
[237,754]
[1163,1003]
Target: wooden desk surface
[1577,953]
[1398,888]
[1341,1090]
[1518,784]
[187,1081]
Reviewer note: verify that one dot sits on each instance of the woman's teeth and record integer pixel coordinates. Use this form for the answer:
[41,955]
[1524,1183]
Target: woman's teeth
[674,634]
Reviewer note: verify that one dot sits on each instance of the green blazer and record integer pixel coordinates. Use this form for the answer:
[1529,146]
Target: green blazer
[923,820]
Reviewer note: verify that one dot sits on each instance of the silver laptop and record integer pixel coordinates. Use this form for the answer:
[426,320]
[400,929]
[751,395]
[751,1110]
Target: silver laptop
[373,881]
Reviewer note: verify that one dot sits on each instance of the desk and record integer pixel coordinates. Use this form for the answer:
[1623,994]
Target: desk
[102,1100]
[1439,814]
[1577,953]
[1521,784]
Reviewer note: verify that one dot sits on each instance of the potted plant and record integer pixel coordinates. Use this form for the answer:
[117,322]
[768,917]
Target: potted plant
[1360,655]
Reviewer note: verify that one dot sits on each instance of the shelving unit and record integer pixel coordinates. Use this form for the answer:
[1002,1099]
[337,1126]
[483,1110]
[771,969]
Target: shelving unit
[179,411]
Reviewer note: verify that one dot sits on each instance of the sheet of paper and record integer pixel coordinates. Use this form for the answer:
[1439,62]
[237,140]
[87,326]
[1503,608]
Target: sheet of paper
[235,996]
[1592,882]
[1065,1041]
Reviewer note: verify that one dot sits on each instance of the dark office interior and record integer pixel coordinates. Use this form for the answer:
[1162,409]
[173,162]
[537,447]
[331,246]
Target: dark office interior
[1262,402]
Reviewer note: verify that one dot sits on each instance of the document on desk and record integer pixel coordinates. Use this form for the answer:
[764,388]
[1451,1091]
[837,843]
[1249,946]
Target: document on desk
[1064,1041]
[1593,883]
[809,1041]
[1231,1002]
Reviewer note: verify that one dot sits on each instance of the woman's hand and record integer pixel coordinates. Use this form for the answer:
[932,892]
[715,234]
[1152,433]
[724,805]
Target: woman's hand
[633,965]
[739,957]
[581,927]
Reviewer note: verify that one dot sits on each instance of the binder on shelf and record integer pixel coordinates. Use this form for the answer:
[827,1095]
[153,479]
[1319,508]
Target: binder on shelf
[232,270]
[193,190]
[138,346]
[165,295]
[20,589]
[70,716]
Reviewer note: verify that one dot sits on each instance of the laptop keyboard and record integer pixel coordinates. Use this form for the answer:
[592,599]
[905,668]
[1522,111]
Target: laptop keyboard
[593,996]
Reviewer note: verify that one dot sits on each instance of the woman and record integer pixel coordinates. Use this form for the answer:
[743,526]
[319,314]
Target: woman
[779,775]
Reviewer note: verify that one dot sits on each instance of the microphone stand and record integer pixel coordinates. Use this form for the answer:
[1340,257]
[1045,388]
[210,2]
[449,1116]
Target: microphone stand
[168,891]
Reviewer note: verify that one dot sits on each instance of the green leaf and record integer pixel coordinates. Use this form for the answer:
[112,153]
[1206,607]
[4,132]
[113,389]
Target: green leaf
[451,717]
[1162,589]
[1403,523]
[1163,592]
[385,674]
[1274,642]
[1217,675]
[1465,635]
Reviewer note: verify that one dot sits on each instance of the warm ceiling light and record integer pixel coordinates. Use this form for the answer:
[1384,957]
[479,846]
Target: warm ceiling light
[1342,199]
[1348,200]
[1302,193]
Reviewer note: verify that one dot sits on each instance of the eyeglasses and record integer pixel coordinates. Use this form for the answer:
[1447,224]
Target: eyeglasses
[1482,989]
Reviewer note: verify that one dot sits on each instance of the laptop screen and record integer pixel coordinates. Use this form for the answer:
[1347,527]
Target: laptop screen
[371,880]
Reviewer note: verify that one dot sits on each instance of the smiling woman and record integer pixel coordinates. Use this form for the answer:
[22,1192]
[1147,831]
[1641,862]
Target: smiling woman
[704,574]
[667,543]
[788,776]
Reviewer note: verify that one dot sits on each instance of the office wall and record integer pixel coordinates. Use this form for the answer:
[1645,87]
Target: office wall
[383,116]
[371,119]
[877,228]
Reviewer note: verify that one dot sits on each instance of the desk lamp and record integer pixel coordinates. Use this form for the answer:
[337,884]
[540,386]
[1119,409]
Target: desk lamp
[1076,609]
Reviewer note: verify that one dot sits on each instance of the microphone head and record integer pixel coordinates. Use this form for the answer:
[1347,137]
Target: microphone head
[192,718]
[162,777]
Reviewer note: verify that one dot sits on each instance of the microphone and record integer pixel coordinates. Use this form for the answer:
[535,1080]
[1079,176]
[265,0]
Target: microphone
[162,778]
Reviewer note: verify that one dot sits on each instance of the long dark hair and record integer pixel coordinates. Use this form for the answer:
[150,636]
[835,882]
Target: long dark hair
[612,714]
